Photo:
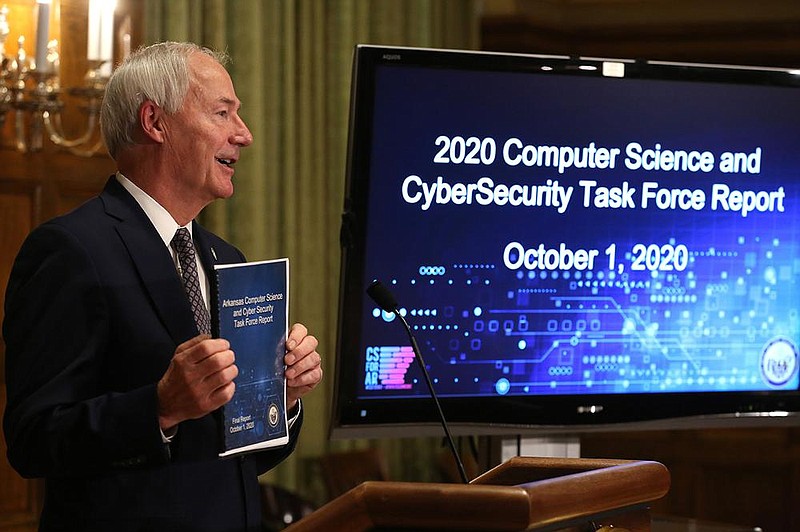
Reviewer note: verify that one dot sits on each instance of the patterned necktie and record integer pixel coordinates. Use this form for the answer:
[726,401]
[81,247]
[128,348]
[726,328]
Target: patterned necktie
[182,244]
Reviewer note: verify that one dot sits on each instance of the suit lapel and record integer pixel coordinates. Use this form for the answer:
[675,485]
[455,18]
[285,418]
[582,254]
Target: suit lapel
[152,261]
[204,249]
[208,257]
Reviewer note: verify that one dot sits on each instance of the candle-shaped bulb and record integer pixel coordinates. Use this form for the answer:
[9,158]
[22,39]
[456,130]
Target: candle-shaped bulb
[100,43]
[42,34]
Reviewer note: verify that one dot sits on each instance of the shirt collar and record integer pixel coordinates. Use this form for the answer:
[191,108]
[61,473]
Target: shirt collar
[163,221]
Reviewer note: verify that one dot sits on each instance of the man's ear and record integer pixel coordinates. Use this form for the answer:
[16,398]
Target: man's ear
[151,120]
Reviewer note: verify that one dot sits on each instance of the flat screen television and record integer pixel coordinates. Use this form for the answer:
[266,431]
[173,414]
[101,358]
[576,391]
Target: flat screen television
[577,243]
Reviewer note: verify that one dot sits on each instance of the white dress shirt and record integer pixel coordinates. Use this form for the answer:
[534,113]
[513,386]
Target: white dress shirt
[166,226]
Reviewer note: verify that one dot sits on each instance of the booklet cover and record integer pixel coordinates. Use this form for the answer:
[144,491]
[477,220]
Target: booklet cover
[252,314]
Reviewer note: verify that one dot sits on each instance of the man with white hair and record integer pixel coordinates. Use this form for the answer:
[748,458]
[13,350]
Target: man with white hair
[113,380]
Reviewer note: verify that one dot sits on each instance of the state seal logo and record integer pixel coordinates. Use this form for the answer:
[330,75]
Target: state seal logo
[779,361]
[272,415]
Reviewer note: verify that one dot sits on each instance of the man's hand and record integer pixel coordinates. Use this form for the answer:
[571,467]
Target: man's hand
[303,369]
[198,381]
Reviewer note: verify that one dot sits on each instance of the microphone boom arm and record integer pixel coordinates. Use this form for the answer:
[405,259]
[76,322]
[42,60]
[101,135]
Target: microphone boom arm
[421,361]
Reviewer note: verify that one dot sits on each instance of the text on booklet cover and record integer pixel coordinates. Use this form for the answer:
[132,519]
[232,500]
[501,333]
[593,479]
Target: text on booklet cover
[252,313]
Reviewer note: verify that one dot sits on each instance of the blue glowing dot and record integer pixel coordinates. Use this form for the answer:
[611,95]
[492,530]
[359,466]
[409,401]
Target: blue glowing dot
[522,344]
[477,311]
[502,386]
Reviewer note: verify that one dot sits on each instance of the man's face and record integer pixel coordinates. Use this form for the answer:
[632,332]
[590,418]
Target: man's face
[204,137]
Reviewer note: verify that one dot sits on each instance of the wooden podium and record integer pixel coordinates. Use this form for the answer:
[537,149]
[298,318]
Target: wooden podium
[524,493]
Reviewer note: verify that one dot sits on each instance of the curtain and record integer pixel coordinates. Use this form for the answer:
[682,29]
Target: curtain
[290,64]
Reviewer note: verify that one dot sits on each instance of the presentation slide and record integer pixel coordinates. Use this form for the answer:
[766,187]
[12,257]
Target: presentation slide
[552,234]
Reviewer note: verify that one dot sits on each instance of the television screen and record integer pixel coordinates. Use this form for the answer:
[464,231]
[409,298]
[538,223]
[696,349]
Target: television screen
[576,243]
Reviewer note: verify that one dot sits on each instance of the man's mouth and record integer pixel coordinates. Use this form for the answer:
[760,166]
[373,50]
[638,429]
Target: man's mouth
[226,162]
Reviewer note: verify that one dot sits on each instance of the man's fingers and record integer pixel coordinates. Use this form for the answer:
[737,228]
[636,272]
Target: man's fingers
[308,378]
[198,380]
[296,335]
[192,341]
[302,365]
[219,379]
[302,348]
[221,395]
[201,347]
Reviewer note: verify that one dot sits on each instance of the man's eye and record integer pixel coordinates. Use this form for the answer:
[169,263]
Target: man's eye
[223,113]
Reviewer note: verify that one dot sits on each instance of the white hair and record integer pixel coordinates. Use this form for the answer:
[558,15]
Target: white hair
[158,73]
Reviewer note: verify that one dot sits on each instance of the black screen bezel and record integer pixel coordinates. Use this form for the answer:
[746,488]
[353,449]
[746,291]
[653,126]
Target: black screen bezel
[352,416]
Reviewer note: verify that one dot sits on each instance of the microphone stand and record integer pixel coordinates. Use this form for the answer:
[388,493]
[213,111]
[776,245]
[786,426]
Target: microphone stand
[421,361]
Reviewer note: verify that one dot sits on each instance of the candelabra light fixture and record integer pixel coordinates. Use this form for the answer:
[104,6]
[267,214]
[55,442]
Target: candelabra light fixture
[30,88]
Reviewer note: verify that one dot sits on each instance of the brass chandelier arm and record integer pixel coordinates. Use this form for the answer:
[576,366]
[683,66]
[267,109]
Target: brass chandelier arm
[89,152]
[32,93]
[56,131]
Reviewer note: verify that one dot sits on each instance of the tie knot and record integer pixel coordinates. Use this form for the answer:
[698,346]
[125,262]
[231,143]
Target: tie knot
[182,241]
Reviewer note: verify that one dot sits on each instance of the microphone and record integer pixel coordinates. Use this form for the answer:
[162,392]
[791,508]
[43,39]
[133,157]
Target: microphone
[387,302]
[382,296]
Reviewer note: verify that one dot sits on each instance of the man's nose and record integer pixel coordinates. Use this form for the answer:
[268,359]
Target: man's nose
[242,136]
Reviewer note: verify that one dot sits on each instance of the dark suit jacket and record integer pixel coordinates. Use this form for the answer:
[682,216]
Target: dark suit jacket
[94,311]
